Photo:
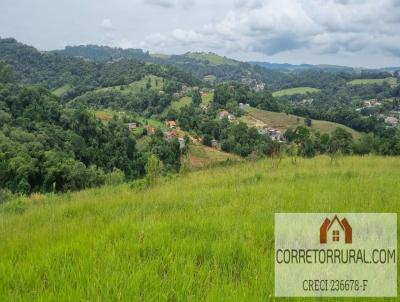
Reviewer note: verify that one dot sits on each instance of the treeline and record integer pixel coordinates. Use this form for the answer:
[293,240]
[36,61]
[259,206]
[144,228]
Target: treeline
[103,53]
[304,142]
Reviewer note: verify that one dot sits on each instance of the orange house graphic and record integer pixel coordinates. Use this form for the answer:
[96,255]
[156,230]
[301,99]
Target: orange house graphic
[336,230]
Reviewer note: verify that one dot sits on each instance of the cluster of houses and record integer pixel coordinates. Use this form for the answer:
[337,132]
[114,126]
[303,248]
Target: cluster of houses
[254,84]
[392,118]
[225,114]
[275,134]
[150,130]
[307,101]
[370,104]
[174,133]
[259,87]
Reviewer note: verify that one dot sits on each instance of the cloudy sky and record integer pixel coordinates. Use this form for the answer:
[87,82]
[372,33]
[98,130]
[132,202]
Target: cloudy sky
[347,32]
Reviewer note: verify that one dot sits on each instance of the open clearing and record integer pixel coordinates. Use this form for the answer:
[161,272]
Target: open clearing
[202,237]
[281,120]
[293,91]
[62,90]
[201,156]
[156,83]
[187,101]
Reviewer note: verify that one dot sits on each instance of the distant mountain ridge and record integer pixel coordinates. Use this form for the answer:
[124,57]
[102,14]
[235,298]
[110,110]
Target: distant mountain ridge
[286,67]
[102,53]
[205,59]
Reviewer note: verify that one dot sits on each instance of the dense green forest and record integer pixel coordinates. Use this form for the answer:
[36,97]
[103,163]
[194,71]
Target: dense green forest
[51,140]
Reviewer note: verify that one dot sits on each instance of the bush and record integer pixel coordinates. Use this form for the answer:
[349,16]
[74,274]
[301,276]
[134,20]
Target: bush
[116,177]
[5,195]
[17,206]
[139,184]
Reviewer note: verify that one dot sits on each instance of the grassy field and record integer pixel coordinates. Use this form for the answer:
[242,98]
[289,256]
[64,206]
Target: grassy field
[105,115]
[207,98]
[284,121]
[293,91]
[136,87]
[61,90]
[201,156]
[212,58]
[391,81]
[207,236]
[185,101]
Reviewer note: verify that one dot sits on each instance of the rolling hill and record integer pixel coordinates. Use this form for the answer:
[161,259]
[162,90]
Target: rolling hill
[211,58]
[202,236]
[280,120]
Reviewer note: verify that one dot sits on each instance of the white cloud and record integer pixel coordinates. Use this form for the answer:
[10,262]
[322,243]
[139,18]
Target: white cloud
[106,24]
[320,26]
[185,4]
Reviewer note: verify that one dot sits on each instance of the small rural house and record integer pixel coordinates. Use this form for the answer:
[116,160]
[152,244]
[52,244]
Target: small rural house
[171,124]
[274,134]
[150,130]
[132,126]
[170,135]
[244,106]
[225,114]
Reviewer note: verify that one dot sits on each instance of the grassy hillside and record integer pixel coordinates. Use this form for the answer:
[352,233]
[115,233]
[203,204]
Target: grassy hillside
[187,101]
[136,87]
[256,117]
[211,58]
[392,81]
[207,98]
[206,236]
[293,91]
[201,156]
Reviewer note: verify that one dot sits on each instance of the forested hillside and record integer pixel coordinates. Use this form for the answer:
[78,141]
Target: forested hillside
[53,70]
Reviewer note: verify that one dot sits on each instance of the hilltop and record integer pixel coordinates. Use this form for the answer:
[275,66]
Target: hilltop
[200,236]
[211,58]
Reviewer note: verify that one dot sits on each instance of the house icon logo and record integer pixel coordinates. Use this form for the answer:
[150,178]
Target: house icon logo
[336,230]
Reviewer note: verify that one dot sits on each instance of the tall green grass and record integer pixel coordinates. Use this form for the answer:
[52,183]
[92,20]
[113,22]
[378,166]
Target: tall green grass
[206,236]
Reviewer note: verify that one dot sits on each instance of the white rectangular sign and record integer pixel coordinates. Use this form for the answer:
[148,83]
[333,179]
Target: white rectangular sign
[336,255]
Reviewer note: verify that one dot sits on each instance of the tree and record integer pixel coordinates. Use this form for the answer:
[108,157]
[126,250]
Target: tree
[6,73]
[154,169]
[341,140]
[196,97]
[308,122]
[290,135]
[207,140]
